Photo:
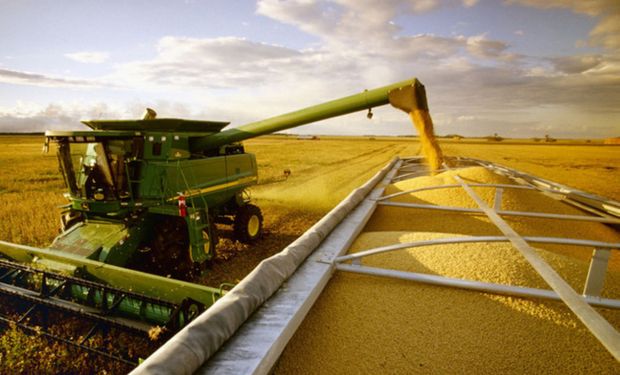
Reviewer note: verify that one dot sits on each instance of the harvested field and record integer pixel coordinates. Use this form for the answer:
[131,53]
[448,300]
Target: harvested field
[368,324]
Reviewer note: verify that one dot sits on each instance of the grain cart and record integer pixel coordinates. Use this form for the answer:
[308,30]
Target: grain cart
[150,191]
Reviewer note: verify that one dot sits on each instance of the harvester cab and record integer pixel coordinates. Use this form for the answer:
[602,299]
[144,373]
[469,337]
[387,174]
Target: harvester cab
[95,169]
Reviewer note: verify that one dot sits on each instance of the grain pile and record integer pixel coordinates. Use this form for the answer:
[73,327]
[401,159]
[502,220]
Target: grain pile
[365,324]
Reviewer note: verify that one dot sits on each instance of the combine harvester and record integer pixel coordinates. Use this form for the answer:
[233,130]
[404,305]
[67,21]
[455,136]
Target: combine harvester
[145,195]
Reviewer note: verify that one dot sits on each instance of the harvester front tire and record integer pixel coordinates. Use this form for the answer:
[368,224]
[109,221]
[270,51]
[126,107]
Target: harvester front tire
[248,226]
[212,236]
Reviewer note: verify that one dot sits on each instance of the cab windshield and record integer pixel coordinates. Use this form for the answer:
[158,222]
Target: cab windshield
[95,170]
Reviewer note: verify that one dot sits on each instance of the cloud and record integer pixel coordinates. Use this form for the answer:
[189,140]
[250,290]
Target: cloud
[605,34]
[577,64]
[228,62]
[25,78]
[289,78]
[89,57]
[589,7]
[350,23]
[62,115]
[208,63]
[367,31]
[32,117]
[482,47]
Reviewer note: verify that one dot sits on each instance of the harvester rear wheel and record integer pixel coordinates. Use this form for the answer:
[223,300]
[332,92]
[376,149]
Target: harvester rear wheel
[248,224]
[171,248]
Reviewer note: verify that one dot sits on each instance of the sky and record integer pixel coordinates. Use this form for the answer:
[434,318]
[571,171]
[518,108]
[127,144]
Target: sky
[518,68]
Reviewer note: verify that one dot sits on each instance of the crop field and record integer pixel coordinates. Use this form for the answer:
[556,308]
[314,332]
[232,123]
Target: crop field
[322,172]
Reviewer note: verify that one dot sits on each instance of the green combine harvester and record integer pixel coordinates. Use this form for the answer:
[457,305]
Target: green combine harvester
[146,194]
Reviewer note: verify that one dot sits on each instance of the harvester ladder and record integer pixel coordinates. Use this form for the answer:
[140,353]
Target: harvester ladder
[205,224]
[191,197]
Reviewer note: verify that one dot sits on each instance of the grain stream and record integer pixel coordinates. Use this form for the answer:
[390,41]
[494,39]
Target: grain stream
[430,147]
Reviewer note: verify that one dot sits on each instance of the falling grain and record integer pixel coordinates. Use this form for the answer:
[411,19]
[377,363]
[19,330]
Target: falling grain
[430,147]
